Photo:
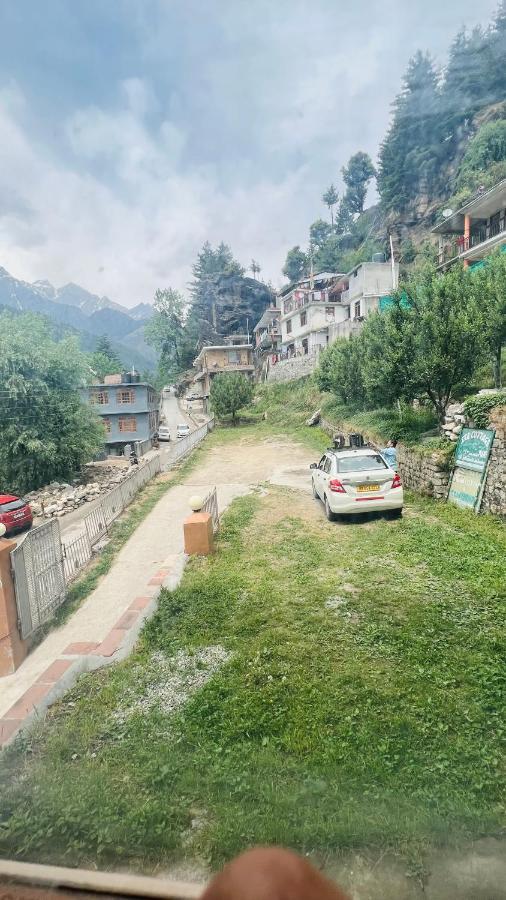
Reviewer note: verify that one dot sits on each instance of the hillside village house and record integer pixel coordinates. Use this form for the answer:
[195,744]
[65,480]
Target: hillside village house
[307,309]
[227,357]
[129,409]
[368,287]
[474,230]
[267,332]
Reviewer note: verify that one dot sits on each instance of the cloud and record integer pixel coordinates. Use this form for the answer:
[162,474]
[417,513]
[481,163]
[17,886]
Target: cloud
[126,235]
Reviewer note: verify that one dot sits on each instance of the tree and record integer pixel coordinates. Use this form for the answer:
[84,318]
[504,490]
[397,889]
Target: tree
[440,322]
[411,153]
[319,233]
[166,333]
[47,432]
[491,290]
[485,157]
[104,360]
[222,298]
[357,176]
[229,393]
[296,265]
[255,268]
[330,199]
[340,370]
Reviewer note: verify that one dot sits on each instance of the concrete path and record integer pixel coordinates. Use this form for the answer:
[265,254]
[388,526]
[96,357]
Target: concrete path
[107,623]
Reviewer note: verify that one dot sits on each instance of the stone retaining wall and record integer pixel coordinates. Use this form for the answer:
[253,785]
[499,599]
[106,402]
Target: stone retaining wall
[291,369]
[494,496]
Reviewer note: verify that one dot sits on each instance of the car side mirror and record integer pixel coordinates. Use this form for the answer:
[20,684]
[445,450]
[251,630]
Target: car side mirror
[313,466]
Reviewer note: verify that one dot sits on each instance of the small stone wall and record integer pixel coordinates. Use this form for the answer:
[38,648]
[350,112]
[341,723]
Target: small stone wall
[421,473]
[291,369]
[494,495]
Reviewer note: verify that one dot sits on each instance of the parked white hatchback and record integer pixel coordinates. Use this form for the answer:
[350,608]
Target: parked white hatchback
[163,433]
[357,481]
[182,430]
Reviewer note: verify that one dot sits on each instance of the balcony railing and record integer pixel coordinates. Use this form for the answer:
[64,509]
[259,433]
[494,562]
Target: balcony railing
[454,247]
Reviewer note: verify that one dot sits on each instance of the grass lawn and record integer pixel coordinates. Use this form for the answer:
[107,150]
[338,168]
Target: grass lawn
[343,686]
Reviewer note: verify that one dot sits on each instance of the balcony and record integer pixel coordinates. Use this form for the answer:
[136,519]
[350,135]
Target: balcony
[480,242]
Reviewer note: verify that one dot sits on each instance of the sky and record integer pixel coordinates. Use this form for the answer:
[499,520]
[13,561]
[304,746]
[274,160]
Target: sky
[131,131]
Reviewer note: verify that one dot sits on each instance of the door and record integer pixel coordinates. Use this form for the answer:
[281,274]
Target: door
[319,476]
[325,476]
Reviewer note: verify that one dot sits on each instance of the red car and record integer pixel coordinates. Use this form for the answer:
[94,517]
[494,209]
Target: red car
[15,513]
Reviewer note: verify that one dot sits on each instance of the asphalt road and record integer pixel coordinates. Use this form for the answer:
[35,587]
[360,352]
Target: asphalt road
[173,415]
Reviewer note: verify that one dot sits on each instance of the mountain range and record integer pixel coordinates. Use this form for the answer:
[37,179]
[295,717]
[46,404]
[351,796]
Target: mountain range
[84,313]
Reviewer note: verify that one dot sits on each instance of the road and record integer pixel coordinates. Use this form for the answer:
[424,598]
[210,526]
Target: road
[172,414]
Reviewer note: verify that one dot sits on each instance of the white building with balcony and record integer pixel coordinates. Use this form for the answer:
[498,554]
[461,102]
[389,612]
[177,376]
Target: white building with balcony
[474,230]
[308,308]
[369,287]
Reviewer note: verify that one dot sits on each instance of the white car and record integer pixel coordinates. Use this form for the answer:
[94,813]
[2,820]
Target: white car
[182,430]
[163,433]
[354,481]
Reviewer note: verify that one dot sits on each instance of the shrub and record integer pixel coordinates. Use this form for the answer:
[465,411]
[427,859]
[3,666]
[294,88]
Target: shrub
[478,408]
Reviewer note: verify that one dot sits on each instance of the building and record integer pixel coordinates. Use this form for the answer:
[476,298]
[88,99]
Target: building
[307,310]
[129,410]
[219,358]
[474,230]
[267,333]
[369,287]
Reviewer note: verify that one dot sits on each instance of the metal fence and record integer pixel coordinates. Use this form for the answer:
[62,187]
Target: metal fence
[39,577]
[43,563]
[211,506]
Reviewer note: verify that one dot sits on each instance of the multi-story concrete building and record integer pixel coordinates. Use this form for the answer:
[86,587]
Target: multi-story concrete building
[212,361]
[475,230]
[308,308]
[368,288]
[268,332]
[129,410]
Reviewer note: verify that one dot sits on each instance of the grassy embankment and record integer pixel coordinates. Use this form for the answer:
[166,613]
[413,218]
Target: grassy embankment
[312,685]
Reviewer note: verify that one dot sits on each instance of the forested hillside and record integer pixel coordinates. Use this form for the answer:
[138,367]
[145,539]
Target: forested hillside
[445,141]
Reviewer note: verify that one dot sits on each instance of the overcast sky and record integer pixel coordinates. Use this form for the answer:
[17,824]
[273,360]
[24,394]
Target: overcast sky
[131,131]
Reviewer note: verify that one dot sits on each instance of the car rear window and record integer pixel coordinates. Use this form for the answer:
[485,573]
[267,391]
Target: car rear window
[361,463]
[10,507]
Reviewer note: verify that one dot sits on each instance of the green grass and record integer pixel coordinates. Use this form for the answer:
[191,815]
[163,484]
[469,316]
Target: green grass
[375,721]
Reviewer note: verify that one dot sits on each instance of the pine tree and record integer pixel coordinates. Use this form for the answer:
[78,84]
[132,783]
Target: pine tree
[411,152]
[357,176]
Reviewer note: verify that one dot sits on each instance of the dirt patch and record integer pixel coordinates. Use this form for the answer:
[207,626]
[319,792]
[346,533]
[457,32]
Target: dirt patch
[250,461]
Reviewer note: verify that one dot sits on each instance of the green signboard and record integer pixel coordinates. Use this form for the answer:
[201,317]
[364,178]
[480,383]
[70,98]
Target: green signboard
[473,448]
[471,459]
[465,488]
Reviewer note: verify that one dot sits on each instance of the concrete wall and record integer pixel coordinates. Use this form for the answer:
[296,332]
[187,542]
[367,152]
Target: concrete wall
[371,278]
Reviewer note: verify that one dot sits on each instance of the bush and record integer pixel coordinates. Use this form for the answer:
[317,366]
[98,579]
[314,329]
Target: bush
[229,393]
[478,408]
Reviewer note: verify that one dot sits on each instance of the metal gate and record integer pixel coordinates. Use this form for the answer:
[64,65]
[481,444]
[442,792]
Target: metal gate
[39,577]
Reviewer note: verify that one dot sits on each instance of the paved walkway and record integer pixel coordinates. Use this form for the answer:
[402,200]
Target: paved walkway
[107,623]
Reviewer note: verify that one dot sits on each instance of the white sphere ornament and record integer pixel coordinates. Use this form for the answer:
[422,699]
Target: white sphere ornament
[3,529]
[196,503]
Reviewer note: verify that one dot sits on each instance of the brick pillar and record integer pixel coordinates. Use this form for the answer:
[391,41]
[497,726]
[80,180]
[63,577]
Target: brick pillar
[198,534]
[467,236]
[13,649]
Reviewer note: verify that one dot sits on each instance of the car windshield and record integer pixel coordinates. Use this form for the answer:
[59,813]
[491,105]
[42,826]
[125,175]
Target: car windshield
[361,463]
[10,507]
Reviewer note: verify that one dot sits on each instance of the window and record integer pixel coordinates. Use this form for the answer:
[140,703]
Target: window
[303,318]
[127,423]
[99,398]
[361,463]
[233,356]
[330,311]
[328,464]
[289,327]
[125,396]
[357,309]
[153,420]
[107,424]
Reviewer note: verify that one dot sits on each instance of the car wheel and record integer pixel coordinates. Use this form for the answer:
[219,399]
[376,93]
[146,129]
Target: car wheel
[315,492]
[328,512]
[395,513]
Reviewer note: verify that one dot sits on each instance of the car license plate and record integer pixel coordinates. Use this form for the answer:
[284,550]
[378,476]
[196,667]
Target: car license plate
[362,488]
[18,515]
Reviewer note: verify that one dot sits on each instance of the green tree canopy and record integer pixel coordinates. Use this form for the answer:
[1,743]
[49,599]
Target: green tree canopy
[104,360]
[296,265]
[491,290]
[357,176]
[229,393]
[167,334]
[46,431]
[319,233]
[330,199]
